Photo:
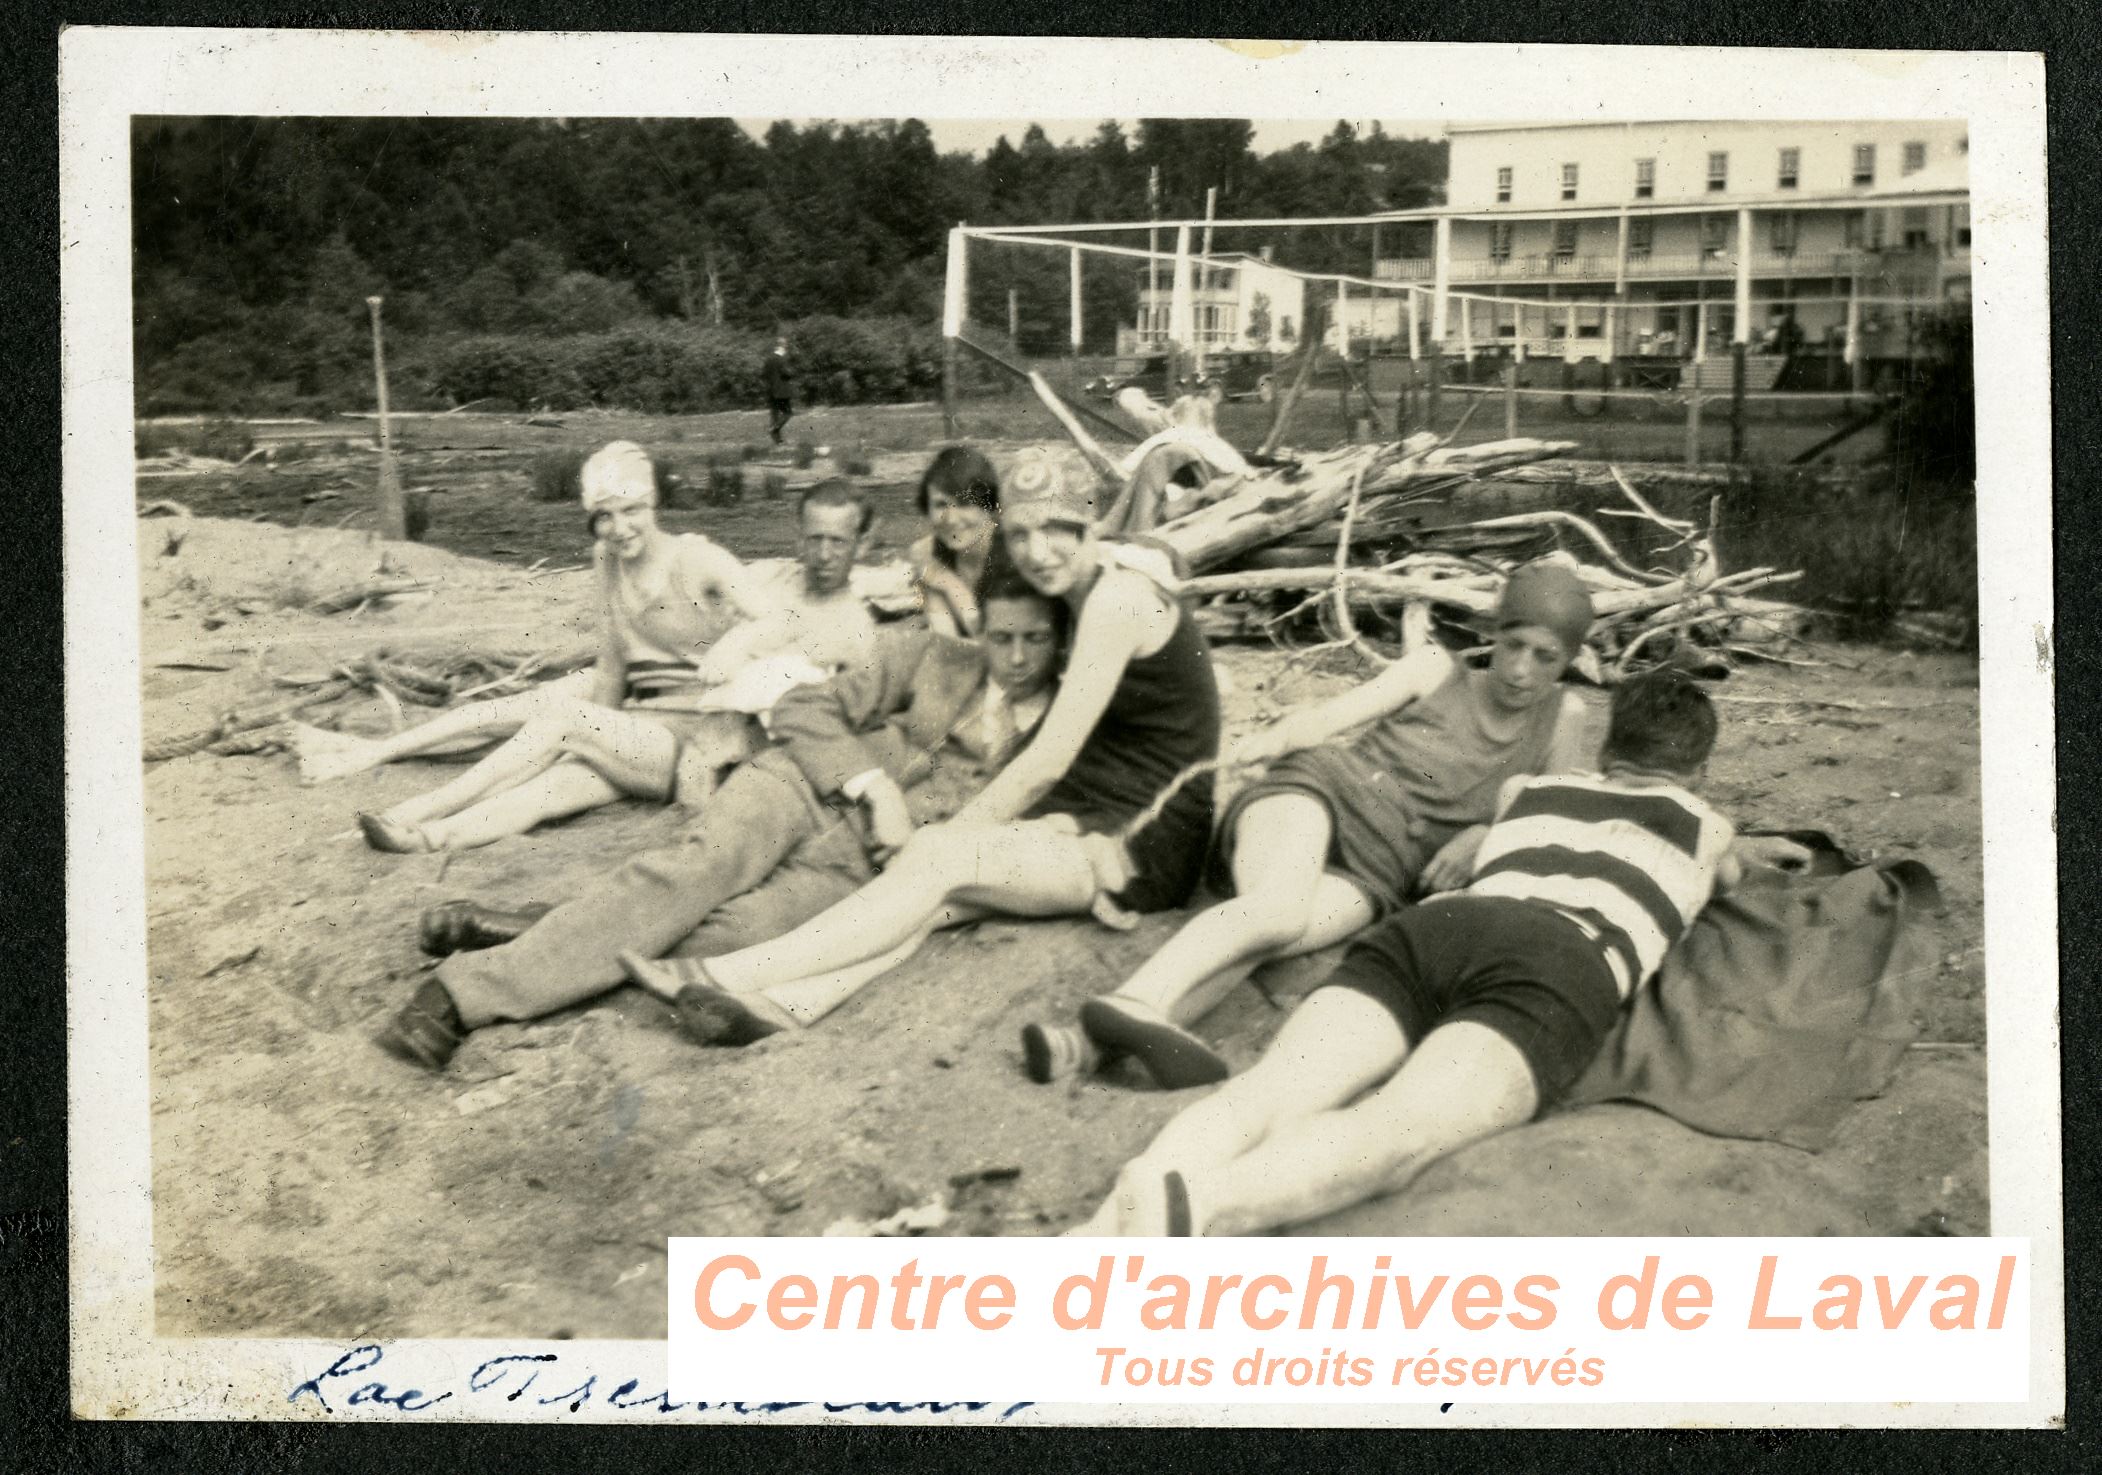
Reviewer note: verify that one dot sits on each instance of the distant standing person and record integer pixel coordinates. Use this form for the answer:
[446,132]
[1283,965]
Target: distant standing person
[780,389]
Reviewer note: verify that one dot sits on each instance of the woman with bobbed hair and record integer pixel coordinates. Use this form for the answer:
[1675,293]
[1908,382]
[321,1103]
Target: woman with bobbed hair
[960,498]
[639,725]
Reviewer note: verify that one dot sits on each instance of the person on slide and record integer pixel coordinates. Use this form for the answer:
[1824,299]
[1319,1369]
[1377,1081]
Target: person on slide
[1340,831]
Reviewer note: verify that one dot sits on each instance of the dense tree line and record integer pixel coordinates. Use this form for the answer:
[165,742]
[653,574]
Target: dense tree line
[642,262]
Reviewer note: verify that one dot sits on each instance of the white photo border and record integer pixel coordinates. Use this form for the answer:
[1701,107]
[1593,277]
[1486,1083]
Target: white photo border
[109,75]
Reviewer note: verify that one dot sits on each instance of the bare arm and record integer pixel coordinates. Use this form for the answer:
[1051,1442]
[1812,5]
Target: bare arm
[1409,679]
[609,677]
[1121,612]
[1579,733]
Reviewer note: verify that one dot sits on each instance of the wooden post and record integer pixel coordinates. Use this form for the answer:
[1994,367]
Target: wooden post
[952,327]
[1074,331]
[1014,320]
[1693,422]
[1436,360]
[1737,350]
[1204,272]
[1511,400]
[1182,313]
[393,517]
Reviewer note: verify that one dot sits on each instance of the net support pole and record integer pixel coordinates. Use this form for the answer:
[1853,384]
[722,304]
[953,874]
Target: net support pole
[394,519]
[1437,373]
[1073,307]
[1741,330]
[1511,400]
[1737,375]
[1204,274]
[1441,278]
[1850,352]
[952,326]
[1467,330]
[1180,327]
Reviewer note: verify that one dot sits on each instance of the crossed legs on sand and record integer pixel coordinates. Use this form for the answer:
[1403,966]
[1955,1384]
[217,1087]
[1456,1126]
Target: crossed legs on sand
[1339,1110]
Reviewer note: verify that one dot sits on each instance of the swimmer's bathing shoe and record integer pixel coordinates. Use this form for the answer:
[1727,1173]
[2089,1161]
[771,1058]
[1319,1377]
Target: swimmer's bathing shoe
[427,1030]
[1173,1056]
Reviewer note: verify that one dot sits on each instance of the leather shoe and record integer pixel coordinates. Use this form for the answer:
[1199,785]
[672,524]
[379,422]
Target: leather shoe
[465,927]
[427,1031]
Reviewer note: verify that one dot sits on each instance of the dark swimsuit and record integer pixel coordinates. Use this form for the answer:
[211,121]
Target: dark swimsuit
[1162,719]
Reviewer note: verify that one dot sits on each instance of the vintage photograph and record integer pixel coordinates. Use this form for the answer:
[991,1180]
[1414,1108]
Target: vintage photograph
[1111,675]
[1344,649]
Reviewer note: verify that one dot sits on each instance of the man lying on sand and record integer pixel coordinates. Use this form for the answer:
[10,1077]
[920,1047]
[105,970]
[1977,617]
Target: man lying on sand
[859,760]
[1465,1015]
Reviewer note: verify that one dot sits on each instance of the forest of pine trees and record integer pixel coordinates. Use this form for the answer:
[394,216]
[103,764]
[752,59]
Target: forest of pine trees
[644,263]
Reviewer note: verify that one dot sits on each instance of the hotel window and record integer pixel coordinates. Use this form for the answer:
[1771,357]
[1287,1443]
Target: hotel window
[1500,241]
[1640,234]
[1864,163]
[1718,172]
[1569,181]
[1503,186]
[1914,228]
[1915,157]
[1645,179]
[1715,236]
[1565,240]
[1791,167]
[1781,234]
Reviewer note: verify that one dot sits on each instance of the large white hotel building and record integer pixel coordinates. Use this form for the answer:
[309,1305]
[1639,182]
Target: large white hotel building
[1791,236]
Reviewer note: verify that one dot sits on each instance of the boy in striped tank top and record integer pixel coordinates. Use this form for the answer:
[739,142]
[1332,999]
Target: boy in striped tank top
[1465,1015]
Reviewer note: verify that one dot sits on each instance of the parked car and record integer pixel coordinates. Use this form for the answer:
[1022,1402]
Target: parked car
[1236,375]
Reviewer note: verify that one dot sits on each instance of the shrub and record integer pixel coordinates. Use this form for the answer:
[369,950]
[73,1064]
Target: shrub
[774,486]
[222,440]
[1868,552]
[725,482]
[804,456]
[856,461]
[554,476]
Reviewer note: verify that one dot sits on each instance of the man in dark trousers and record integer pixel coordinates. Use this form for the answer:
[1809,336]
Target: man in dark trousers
[779,389]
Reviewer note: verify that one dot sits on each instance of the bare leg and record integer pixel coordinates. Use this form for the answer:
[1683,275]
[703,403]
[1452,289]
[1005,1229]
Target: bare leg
[1333,1047]
[633,752]
[563,788]
[1465,1082]
[1029,869]
[342,754]
[807,1000]
[1284,902]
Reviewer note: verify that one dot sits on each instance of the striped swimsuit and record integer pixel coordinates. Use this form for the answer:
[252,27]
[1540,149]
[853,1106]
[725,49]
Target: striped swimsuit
[1580,888]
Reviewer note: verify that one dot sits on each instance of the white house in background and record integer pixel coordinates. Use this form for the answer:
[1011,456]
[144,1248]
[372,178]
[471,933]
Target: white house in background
[1789,233]
[1238,302]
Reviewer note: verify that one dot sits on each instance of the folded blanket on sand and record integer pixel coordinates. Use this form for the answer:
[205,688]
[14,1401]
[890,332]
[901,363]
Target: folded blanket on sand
[1790,999]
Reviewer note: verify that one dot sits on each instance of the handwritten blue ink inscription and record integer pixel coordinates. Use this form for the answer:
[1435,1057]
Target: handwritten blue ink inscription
[532,1378]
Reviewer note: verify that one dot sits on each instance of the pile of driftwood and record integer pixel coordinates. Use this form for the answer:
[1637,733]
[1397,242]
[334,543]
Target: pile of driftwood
[259,723]
[1364,541]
